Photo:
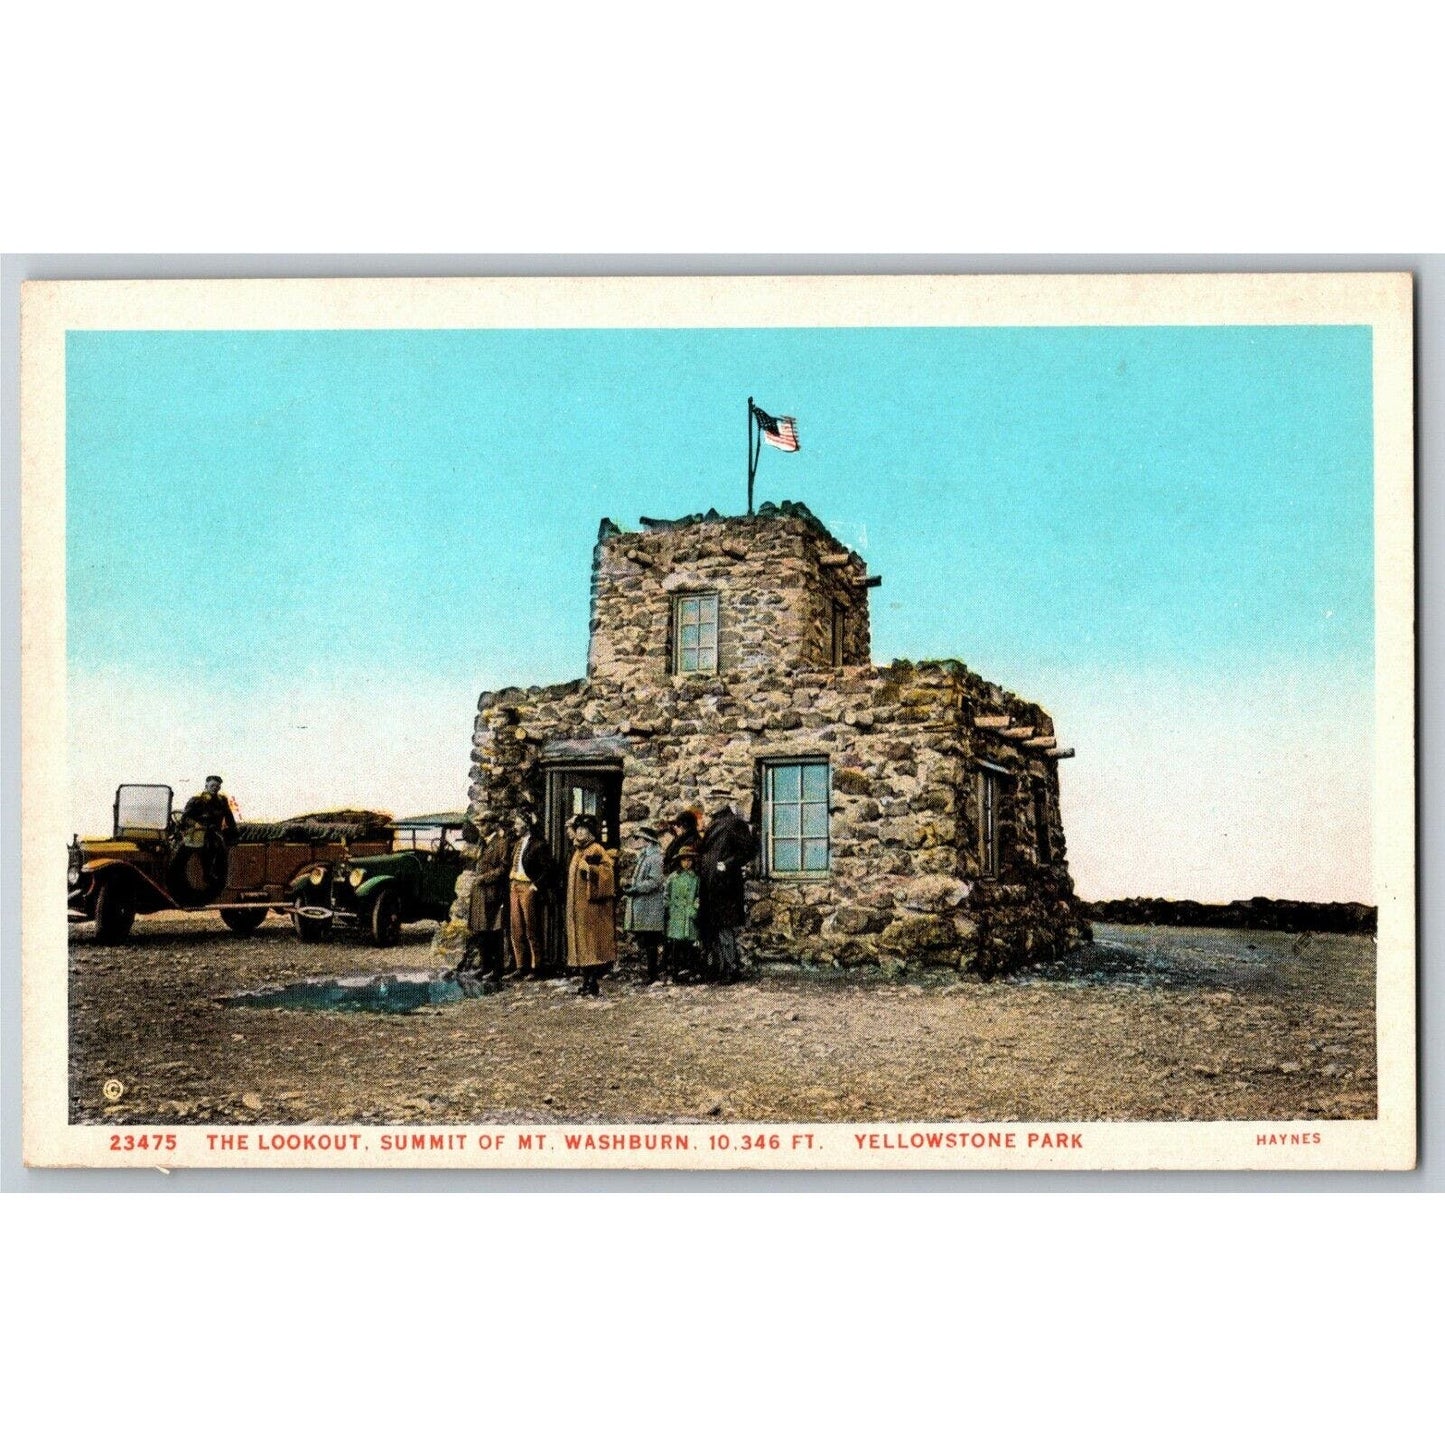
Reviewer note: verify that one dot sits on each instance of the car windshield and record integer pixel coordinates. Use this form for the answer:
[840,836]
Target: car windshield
[143,806]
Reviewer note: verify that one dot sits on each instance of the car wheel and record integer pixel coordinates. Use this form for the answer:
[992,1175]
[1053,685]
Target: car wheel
[243,922]
[308,930]
[386,918]
[114,911]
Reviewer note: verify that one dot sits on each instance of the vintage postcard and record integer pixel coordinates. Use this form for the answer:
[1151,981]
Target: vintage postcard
[711,723]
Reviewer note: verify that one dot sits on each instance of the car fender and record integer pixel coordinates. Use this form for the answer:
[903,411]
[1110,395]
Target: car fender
[149,895]
[370,887]
[301,880]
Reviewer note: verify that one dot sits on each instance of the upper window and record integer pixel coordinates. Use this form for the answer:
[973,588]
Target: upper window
[991,783]
[1042,833]
[795,817]
[694,631]
[840,624]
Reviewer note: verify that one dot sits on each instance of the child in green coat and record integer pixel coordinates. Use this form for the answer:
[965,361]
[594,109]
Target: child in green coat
[681,946]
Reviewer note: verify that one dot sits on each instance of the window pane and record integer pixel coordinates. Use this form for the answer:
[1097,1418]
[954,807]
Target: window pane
[689,609]
[785,784]
[786,857]
[785,820]
[815,857]
[707,609]
[815,820]
[707,634]
[815,782]
[707,660]
[689,636]
[689,659]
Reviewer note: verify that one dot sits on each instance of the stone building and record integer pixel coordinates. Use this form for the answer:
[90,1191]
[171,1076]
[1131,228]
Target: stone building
[905,814]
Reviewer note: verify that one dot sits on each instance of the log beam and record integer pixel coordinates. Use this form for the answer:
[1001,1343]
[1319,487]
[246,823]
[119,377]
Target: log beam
[993,723]
[1060,753]
[834,559]
[1017,734]
[1042,744]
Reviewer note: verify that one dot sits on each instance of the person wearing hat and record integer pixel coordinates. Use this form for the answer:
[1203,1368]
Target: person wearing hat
[487,902]
[211,808]
[644,914]
[726,849]
[589,919]
[208,829]
[686,833]
[682,916]
[530,871]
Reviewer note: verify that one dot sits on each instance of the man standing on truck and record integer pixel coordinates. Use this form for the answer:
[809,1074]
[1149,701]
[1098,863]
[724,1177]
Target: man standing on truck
[211,808]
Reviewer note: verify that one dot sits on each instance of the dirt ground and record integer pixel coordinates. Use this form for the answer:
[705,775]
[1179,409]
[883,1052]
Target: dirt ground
[1146,1023]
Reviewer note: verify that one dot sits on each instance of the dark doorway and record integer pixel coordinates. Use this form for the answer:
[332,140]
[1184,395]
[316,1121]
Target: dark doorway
[572,790]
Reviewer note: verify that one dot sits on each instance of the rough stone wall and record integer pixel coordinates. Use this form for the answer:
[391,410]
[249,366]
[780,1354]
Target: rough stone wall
[905,884]
[907,881]
[773,587]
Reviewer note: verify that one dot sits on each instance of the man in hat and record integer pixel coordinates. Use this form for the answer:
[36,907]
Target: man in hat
[644,913]
[727,848]
[487,904]
[530,871]
[591,894]
[211,809]
[207,833]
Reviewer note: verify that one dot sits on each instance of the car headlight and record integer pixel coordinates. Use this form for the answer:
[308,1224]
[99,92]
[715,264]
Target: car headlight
[72,876]
[318,876]
[356,876]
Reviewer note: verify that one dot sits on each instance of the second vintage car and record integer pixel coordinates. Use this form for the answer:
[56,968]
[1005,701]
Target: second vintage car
[375,895]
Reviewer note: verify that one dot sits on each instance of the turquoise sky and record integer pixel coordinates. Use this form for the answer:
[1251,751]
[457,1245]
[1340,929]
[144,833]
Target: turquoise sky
[296,557]
[1179,496]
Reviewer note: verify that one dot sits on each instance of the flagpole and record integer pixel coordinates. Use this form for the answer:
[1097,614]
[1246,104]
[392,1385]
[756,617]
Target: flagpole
[752,465]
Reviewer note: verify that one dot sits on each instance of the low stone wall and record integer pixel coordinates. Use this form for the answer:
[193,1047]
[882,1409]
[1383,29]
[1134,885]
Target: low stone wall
[905,884]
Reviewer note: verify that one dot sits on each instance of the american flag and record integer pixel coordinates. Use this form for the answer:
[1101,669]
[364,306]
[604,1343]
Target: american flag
[778,431]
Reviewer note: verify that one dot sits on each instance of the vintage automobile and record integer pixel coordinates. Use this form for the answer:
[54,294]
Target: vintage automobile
[154,860]
[375,895]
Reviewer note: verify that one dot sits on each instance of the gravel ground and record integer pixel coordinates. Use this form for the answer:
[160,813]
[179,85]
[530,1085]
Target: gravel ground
[1146,1023]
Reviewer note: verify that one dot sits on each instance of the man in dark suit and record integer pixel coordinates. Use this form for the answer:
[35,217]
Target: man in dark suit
[727,849]
[211,808]
[487,903]
[530,871]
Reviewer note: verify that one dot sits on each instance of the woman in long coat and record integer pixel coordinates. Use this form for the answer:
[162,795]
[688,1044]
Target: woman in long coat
[591,926]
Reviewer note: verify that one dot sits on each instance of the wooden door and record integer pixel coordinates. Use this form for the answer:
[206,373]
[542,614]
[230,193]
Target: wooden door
[573,790]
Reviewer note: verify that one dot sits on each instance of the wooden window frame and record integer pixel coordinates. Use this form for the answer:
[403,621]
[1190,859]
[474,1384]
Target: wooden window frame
[992,779]
[1043,825]
[769,767]
[679,602]
[838,642]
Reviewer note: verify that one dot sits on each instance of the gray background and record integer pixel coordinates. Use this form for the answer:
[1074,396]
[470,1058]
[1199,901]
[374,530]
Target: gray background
[1429,273]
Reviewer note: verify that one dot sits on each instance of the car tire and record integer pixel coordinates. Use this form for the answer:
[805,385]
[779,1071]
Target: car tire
[385,918]
[243,922]
[114,911]
[308,930]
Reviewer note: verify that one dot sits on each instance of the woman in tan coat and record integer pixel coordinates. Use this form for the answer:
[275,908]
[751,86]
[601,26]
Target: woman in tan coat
[591,895]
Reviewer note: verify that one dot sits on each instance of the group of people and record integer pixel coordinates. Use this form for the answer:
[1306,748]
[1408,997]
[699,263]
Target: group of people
[683,906]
